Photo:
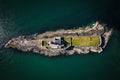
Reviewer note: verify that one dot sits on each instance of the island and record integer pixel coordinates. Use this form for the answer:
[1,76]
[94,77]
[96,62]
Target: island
[82,40]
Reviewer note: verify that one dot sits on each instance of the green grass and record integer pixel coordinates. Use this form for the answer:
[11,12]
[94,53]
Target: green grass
[67,39]
[86,41]
[80,41]
[45,43]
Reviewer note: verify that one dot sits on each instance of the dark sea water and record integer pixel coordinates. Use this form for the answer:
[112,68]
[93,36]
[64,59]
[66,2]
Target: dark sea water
[25,17]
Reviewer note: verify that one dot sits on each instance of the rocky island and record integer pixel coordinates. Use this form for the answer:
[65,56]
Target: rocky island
[80,41]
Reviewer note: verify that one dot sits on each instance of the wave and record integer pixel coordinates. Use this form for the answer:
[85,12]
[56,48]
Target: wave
[5,32]
[2,36]
[5,55]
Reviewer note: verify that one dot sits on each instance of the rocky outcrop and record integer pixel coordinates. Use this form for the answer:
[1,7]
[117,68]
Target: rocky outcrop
[32,42]
[106,36]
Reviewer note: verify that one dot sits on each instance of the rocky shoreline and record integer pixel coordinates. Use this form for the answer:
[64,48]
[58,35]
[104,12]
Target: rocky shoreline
[33,42]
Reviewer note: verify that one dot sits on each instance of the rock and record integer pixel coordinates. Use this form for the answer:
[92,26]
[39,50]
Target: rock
[34,42]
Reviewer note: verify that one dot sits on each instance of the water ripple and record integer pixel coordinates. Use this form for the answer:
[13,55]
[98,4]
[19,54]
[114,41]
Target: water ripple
[5,55]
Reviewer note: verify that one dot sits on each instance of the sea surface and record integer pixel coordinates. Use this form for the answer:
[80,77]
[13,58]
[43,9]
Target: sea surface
[26,17]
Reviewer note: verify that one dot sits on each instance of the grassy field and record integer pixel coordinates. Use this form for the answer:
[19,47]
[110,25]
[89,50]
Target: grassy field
[44,43]
[67,39]
[86,41]
[79,41]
